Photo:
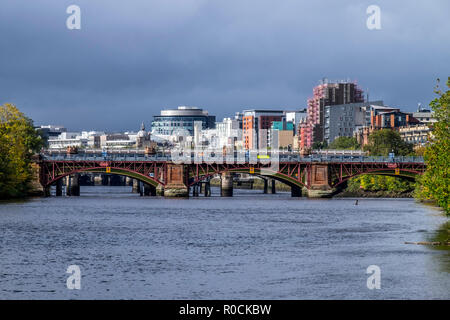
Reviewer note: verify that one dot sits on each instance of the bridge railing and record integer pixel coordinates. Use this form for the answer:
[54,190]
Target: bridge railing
[283,158]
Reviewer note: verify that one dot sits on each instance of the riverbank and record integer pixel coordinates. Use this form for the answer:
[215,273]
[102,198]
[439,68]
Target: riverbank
[374,194]
[349,192]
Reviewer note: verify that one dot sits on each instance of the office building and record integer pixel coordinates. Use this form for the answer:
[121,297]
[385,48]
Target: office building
[182,119]
[256,125]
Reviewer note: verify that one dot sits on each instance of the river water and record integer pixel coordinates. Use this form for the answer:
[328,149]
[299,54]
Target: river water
[251,246]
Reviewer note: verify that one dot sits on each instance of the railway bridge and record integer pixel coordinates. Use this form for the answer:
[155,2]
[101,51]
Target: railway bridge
[173,176]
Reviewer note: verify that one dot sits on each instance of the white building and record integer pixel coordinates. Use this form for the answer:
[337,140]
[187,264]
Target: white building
[118,140]
[67,139]
[229,132]
[296,117]
[425,116]
[82,139]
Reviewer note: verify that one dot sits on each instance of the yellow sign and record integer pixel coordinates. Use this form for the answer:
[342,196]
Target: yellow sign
[108,169]
[252,170]
[263,157]
[397,171]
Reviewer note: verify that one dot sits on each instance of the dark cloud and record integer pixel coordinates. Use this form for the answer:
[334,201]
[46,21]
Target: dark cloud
[133,58]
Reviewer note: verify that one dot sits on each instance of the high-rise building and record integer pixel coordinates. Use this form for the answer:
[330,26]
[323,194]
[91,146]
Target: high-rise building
[326,94]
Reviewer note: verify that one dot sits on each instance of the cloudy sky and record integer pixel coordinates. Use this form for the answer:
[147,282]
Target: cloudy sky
[132,58]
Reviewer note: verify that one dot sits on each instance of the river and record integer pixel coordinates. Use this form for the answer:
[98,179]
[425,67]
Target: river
[251,246]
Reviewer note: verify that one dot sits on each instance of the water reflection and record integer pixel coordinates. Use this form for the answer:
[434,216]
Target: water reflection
[442,235]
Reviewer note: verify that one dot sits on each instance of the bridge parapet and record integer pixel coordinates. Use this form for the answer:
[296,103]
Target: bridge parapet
[282,157]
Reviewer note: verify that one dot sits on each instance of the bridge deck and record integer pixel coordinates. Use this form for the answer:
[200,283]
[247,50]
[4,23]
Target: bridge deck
[281,159]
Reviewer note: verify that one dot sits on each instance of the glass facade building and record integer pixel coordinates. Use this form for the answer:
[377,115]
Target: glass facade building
[182,118]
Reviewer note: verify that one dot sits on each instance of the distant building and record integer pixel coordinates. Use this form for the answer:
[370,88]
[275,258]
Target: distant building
[295,117]
[50,131]
[67,139]
[362,135]
[84,139]
[229,132]
[143,138]
[343,119]
[417,135]
[326,94]
[256,124]
[182,118]
[118,140]
[281,135]
[385,117]
[389,118]
[425,116]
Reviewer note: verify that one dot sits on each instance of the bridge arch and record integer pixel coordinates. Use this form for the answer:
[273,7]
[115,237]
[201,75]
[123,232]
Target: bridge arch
[281,177]
[407,174]
[114,171]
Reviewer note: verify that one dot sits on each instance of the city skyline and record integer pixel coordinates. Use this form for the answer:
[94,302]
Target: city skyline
[130,61]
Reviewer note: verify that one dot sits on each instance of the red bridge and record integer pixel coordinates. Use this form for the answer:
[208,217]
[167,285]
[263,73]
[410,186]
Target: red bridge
[318,176]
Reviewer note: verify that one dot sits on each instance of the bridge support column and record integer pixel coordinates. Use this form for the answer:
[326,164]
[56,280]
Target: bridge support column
[59,185]
[46,191]
[97,180]
[35,188]
[176,186]
[273,186]
[226,187]
[195,188]
[266,186]
[135,188]
[296,191]
[318,182]
[128,181]
[105,180]
[149,190]
[73,185]
[160,190]
[207,189]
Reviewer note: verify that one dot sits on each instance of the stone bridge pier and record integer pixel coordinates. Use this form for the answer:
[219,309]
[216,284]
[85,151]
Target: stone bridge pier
[176,182]
[73,185]
[226,185]
[318,182]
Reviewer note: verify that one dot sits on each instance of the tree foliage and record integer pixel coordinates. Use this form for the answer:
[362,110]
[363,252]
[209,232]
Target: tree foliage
[318,145]
[384,141]
[434,184]
[18,141]
[370,182]
[344,143]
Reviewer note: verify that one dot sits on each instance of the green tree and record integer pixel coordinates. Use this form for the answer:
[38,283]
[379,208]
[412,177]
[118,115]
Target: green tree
[18,142]
[319,145]
[434,184]
[344,143]
[384,141]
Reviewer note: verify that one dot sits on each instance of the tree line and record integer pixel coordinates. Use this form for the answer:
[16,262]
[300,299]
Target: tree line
[434,185]
[18,142]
